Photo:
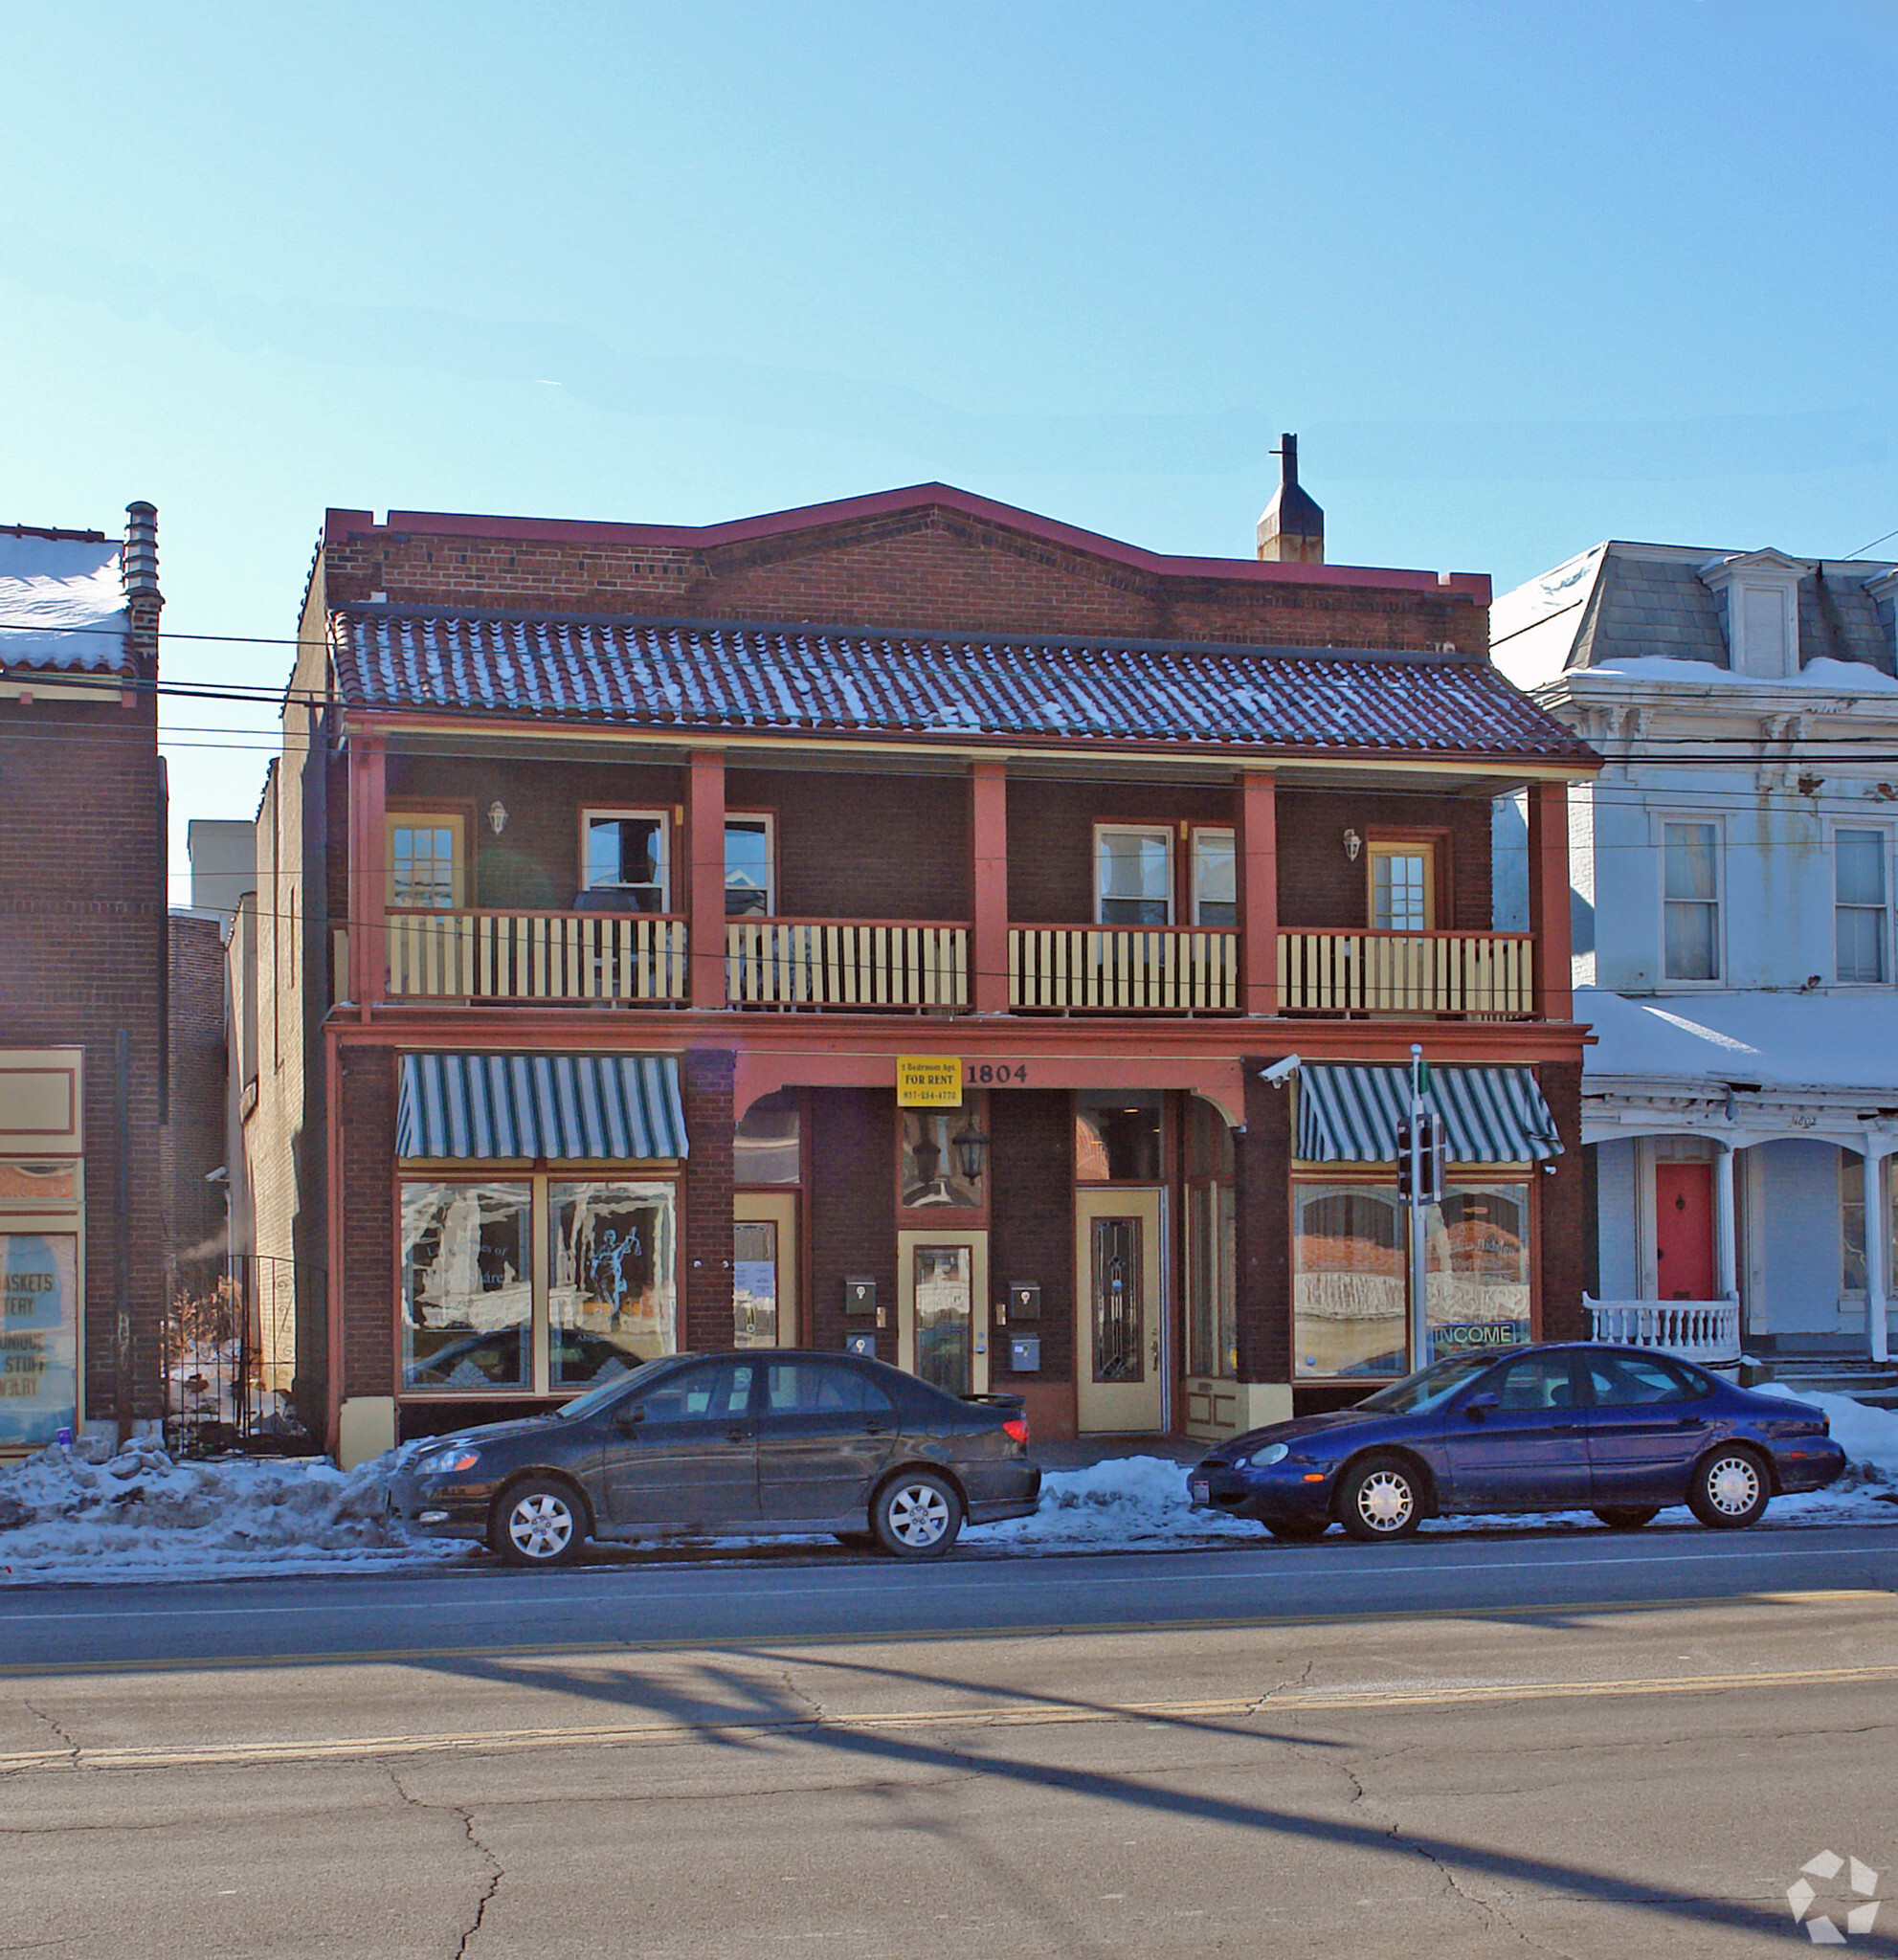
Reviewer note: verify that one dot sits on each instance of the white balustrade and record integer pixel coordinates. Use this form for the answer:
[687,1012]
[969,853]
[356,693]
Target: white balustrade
[1703,1331]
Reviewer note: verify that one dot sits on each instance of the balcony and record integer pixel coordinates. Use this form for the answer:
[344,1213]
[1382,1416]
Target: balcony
[924,965]
[551,956]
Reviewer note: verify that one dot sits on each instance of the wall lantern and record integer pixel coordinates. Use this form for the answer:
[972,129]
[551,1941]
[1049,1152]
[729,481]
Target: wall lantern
[498,818]
[1353,844]
[972,1149]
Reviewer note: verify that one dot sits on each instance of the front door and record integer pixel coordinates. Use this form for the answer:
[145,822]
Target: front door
[1120,1350]
[686,1452]
[764,1269]
[1683,1231]
[942,1309]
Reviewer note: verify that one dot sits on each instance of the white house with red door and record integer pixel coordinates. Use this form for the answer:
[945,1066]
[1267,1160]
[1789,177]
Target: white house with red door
[1733,869]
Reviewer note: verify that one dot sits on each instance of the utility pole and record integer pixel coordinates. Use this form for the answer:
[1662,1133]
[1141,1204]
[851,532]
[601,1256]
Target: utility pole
[1421,1182]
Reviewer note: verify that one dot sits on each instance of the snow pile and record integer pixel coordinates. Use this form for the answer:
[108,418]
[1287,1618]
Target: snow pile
[1124,1500]
[81,1513]
[1868,1435]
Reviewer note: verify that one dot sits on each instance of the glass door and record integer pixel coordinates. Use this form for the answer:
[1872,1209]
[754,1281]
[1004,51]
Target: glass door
[942,1309]
[764,1270]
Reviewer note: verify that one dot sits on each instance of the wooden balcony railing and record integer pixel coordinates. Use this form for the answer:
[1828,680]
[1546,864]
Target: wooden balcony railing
[536,956]
[845,963]
[1123,969]
[1481,973]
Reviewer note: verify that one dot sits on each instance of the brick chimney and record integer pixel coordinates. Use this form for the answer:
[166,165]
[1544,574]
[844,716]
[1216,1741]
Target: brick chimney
[1292,530]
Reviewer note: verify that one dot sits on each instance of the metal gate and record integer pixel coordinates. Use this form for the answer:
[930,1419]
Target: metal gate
[231,1354]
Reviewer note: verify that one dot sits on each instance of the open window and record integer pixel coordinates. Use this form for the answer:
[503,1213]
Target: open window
[750,884]
[627,858]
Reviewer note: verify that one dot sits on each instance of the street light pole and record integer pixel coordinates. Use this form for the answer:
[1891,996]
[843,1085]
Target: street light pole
[1420,1315]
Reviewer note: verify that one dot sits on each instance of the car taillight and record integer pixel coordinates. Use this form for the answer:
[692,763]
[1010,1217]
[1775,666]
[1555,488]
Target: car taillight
[1017,1429]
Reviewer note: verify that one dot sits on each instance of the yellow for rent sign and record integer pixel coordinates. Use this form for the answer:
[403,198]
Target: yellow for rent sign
[929,1081]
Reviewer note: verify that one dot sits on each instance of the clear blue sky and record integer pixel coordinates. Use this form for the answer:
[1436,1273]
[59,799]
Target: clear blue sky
[1522,276]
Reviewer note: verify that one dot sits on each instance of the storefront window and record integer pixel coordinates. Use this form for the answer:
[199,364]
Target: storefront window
[1348,1310]
[38,1336]
[937,1153]
[1476,1283]
[611,1301]
[1117,1137]
[467,1295]
[765,1147]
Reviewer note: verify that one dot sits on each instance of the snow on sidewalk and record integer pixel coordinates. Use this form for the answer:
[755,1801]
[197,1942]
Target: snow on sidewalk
[80,1517]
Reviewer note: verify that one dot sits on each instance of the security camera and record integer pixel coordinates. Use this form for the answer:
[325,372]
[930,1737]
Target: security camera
[1280,1072]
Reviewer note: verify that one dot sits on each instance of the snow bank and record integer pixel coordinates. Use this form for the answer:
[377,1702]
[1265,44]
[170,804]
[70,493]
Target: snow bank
[1868,1435]
[1125,1501]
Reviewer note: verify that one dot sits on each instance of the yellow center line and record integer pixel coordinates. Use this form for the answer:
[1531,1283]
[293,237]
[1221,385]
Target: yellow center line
[1021,1715]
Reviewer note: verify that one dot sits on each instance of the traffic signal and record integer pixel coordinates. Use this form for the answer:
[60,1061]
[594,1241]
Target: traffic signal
[1426,1185]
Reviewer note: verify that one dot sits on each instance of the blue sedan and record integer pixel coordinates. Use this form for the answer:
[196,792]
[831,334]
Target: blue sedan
[1618,1431]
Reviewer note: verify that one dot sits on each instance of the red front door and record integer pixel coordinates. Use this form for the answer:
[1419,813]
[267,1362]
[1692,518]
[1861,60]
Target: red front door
[1683,1230]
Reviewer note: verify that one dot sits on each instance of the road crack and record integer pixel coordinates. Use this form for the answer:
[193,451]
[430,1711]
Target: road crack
[495,1870]
[70,1745]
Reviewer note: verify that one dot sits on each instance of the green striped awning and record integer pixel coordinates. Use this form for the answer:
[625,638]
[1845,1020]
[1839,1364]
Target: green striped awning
[1350,1115]
[625,1107]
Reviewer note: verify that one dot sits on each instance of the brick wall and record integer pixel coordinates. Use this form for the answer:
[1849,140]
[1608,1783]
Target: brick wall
[705,1084]
[366,1096]
[193,1140]
[82,950]
[928,567]
[1262,1160]
[1031,1159]
[1561,1197]
[852,1210]
[1319,885]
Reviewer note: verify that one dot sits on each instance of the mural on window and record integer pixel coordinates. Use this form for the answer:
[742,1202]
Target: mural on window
[1349,1292]
[467,1293]
[611,1297]
[1476,1247]
[38,1336]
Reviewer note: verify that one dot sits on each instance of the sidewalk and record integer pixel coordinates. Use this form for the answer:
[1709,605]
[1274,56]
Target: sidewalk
[1082,1453]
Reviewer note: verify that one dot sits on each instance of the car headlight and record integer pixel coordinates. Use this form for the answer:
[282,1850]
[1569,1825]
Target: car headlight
[445,1462]
[1272,1453]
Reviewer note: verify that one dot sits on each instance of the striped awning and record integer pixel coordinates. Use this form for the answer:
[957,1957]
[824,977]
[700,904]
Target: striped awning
[625,1107]
[1350,1115]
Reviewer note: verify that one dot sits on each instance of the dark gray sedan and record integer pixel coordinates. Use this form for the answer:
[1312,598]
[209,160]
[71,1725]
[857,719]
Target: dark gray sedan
[773,1442]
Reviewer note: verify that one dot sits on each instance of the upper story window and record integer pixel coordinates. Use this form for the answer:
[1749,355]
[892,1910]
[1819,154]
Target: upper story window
[750,888]
[1403,897]
[425,859]
[1133,874]
[1691,888]
[626,854]
[1860,927]
[1215,879]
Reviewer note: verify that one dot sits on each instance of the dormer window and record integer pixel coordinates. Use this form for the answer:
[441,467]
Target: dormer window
[1759,595]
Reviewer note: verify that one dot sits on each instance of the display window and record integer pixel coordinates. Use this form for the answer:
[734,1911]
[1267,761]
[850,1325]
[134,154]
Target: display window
[39,1320]
[612,1296]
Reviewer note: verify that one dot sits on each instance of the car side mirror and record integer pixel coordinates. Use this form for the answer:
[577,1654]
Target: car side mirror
[1477,1407]
[629,1420]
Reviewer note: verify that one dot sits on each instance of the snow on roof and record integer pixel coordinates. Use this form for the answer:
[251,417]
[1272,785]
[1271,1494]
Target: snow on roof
[1779,1040]
[718,675]
[62,603]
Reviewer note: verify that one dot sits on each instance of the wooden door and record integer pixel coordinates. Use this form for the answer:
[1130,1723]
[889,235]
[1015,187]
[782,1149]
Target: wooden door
[1683,1231]
[1118,1347]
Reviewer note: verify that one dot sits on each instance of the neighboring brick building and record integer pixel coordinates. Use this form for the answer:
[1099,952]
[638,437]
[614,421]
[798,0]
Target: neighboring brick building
[82,980]
[193,1146]
[634,889]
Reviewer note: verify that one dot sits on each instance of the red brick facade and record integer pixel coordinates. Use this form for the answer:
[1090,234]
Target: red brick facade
[194,1137]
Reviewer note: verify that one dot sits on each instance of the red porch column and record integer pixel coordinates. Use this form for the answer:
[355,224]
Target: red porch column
[1549,901]
[705,884]
[367,978]
[988,832]
[1257,870]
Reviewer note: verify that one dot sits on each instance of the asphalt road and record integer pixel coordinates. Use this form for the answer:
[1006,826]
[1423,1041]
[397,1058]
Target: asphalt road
[1532,1743]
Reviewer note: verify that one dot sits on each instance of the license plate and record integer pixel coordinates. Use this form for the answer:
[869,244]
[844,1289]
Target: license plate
[1199,1489]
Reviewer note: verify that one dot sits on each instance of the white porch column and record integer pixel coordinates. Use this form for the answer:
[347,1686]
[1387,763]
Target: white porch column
[1725,1223]
[1874,1164]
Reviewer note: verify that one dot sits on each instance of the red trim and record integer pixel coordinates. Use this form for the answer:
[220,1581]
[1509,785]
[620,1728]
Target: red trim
[1549,900]
[1257,850]
[339,524]
[988,833]
[705,836]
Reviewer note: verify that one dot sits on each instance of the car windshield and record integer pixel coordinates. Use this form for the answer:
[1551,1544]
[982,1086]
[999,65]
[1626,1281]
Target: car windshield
[597,1397]
[1429,1388]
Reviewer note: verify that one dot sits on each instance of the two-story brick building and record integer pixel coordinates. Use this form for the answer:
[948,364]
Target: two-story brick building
[869,924]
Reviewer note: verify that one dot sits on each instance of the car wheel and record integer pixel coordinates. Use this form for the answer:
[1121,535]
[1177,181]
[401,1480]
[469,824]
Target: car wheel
[539,1523]
[1382,1498]
[1626,1517]
[916,1515]
[1305,1531]
[1729,1489]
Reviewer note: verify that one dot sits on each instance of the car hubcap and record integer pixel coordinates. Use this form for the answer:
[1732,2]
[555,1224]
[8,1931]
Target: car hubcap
[1384,1500]
[919,1516]
[539,1526]
[1733,1486]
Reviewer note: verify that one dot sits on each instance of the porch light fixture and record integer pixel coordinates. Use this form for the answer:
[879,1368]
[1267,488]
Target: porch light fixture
[497,816]
[1353,844]
[972,1149]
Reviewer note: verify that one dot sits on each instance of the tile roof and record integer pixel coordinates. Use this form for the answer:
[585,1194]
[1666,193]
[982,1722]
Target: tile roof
[792,680]
[62,601]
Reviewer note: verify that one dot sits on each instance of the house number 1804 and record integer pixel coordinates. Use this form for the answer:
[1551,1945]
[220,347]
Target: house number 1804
[997,1073]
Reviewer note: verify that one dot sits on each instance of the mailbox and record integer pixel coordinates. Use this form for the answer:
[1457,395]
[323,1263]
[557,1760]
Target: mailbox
[865,1344]
[859,1295]
[1024,1354]
[1024,1302]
